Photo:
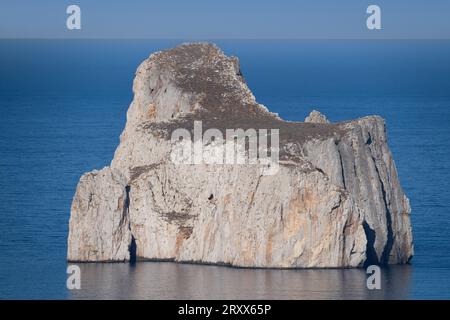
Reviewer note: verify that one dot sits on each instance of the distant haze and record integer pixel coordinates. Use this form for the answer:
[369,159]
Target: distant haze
[206,19]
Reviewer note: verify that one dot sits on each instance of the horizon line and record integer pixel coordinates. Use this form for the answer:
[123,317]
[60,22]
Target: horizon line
[219,38]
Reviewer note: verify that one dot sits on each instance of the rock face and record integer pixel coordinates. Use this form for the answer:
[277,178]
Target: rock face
[316,117]
[334,201]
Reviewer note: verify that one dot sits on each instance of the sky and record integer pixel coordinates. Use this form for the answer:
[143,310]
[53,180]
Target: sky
[230,19]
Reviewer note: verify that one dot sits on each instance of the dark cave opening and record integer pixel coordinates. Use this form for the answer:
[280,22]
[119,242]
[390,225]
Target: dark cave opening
[372,257]
[132,249]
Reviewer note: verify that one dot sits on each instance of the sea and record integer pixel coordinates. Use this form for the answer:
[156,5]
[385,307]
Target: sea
[63,106]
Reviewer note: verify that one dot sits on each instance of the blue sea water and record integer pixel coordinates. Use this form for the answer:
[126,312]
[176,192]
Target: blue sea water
[62,109]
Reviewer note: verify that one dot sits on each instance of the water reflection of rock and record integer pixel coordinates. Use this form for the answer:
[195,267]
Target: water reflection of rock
[184,281]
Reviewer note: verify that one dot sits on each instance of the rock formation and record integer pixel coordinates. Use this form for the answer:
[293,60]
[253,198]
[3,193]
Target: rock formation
[335,200]
[316,117]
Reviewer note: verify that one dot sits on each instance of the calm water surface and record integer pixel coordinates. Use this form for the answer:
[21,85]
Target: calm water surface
[63,106]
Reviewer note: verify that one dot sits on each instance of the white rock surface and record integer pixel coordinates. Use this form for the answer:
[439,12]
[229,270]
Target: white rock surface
[316,117]
[335,202]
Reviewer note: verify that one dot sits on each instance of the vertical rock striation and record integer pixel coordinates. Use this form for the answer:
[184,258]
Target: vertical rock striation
[335,200]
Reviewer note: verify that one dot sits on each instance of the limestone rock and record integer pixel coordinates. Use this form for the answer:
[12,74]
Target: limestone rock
[335,200]
[99,223]
[316,117]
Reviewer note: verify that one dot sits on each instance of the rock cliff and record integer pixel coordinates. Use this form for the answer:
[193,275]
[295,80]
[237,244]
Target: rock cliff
[334,199]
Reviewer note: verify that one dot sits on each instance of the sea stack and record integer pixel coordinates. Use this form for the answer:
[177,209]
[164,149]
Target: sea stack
[334,200]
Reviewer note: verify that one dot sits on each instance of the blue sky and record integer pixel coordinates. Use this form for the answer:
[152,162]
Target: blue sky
[203,19]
